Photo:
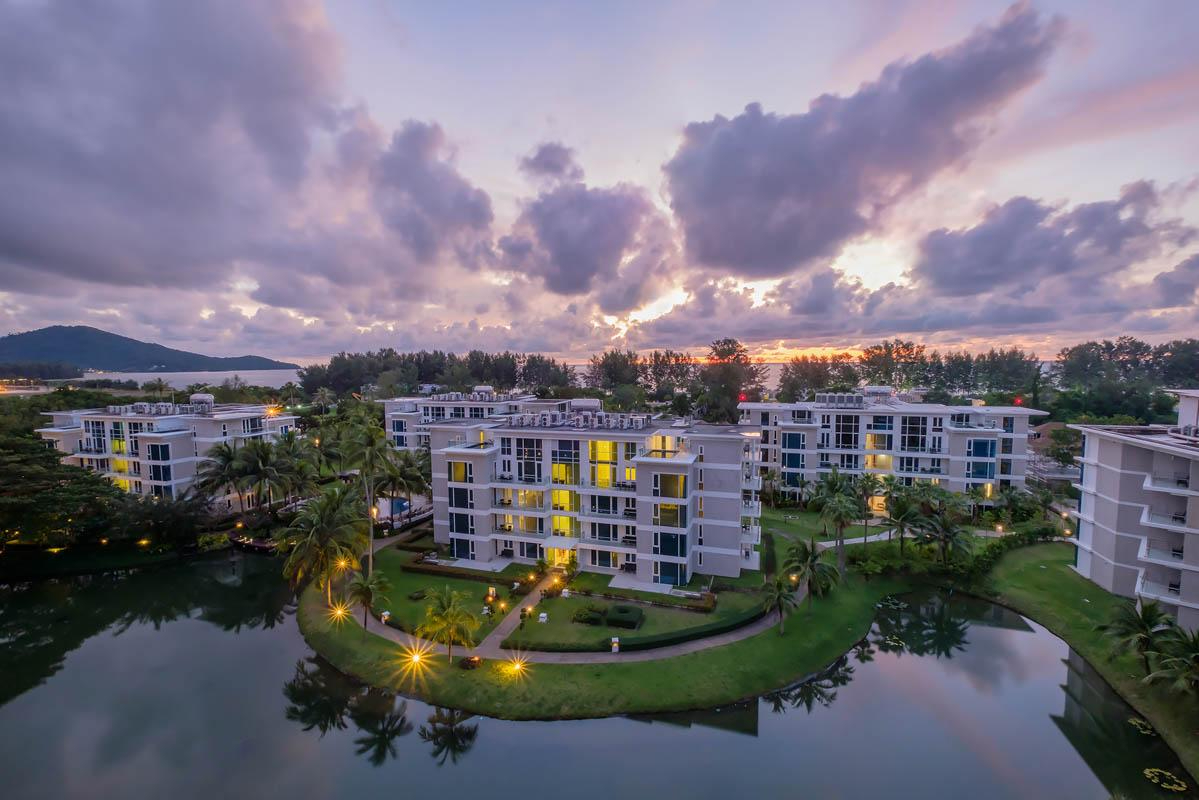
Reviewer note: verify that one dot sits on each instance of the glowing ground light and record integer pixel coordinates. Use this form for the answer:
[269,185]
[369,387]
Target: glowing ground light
[343,563]
[414,663]
[338,612]
[518,668]
[143,542]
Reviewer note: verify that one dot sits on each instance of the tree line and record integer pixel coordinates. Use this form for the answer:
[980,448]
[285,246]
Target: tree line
[402,373]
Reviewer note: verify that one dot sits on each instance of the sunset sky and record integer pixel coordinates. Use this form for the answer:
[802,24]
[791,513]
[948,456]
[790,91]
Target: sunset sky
[297,178]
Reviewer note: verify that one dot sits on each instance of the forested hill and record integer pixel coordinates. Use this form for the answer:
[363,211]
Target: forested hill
[92,348]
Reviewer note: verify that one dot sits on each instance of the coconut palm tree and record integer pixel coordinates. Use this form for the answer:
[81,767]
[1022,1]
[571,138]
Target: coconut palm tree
[804,563]
[977,494]
[402,476]
[368,592]
[839,512]
[1141,630]
[381,720]
[903,516]
[157,386]
[221,471]
[450,736]
[867,486]
[448,621]
[1178,661]
[324,536]
[324,397]
[370,450]
[770,487]
[260,469]
[779,595]
[943,530]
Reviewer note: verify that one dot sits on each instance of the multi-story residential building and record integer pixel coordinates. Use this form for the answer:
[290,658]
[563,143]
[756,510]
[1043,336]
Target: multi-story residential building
[406,419]
[1138,510]
[156,448]
[875,431]
[650,500]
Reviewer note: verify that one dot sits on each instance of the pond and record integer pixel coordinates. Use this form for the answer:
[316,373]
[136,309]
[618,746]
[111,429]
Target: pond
[193,681]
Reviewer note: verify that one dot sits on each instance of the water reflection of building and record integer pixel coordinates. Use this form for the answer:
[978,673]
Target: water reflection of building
[736,718]
[1097,723]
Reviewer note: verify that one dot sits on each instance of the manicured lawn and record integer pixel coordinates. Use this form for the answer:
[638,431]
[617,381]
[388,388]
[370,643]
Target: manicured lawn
[561,632]
[410,613]
[598,582]
[1039,583]
[712,677]
[792,522]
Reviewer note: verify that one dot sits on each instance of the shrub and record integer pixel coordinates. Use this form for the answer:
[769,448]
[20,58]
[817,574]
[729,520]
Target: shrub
[585,616]
[451,572]
[625,617]
[768,563]
[212,541]
[689,634]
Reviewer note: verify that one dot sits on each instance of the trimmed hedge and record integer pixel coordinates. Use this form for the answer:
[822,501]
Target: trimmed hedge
[690,634]
[706,605]
[769,563]
[454,572]
[625,617]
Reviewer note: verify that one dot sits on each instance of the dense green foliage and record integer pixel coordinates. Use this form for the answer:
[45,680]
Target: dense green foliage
[39,369]
[92,348]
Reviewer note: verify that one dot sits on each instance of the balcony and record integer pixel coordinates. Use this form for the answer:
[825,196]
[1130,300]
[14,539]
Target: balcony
[1173,521]
[1163,553]
[523,480]
[751,508]
[615,487]
[1169,592]
[607,513]
[751,534]
[1177,484]
[751,483]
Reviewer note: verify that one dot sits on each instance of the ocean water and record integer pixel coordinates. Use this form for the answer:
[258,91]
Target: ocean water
[181,380]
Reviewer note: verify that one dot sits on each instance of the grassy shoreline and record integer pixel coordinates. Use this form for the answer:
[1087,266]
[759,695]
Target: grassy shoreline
[1035,581]
[1070,606]
[718,676]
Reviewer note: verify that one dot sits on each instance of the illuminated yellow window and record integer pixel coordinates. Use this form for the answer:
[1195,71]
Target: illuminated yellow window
[563,526]
[528,525]
[564,500]
[565,474]
[123,484]
[529,498]
[603,475]
[120,465]
[602,451]
[460,471]
[630,474]
[988,490]
[118,445]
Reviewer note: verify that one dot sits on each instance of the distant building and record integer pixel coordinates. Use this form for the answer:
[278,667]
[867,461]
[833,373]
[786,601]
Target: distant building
[650,500]
[877,431]
[157,448]
[1138,513]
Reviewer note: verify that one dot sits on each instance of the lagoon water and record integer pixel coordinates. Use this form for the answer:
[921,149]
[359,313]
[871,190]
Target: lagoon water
[192,681]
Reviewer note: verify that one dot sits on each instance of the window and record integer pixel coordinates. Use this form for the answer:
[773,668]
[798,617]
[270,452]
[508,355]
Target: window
[793,441]
[980,448]
[699,558]
[160,472]
[461,498]
[162,491]
[159,452]
[912,433]
[847,432]
[672,574]
[793,460]
[1005,446]
[602,558]
[1009,424]
[476,412]
[1005,466]
[666,485]
[463,548]
[604,531]
[981,469]
[670,515]
[531,550]
[458,412]
[505,446]
[462,523]
[460,471]
[670,544]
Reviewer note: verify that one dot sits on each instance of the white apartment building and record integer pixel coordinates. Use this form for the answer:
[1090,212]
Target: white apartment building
[407,419]
[875,431]
[156,448]
[649,500]
[1138,511]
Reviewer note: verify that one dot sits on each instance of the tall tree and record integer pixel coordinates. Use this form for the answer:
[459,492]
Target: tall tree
[1140,630]
[728,376]
[448,621]
[613,368]
[327,532]
[370,451]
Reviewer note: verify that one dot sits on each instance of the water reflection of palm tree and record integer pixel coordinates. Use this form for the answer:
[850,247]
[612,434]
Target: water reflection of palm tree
[381,720]
[820,690]
[450,736]
[944,631]
[319,697]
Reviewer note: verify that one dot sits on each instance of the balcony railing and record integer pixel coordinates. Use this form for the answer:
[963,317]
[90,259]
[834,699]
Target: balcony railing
[1177,518]
[505,477]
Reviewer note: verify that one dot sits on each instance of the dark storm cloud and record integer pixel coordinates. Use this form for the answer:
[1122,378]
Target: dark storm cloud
[552,161]
[421,196]
[573,236]
[761,194]
[1023,242]
[145,143]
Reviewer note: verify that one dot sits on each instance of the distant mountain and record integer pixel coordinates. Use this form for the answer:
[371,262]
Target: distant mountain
[92,348]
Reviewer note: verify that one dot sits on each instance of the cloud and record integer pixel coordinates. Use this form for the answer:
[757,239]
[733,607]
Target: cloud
[1023,242]
[762,194]
[575,238]
[552,162]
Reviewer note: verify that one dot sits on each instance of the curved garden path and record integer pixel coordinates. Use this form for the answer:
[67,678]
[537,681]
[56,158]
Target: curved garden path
[490,647]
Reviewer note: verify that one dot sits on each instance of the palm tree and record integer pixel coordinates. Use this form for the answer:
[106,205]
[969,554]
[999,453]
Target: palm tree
[382,721]
[290,391]
[260,469]
[803,561]
[158,386]
[370,451]
[448,621]
[1138,630]
[868,486]
[780,597]
[324,397]
[803,490]
[221,471]
[448,734]
[770,484]
[839,512]
[903,516]
[943,530]
[368,592]
[402,476]
[977,494]
[326,534]
[1043,497]
[1178,661]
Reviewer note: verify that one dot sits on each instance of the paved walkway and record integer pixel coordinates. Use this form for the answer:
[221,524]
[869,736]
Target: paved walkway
[489,646]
